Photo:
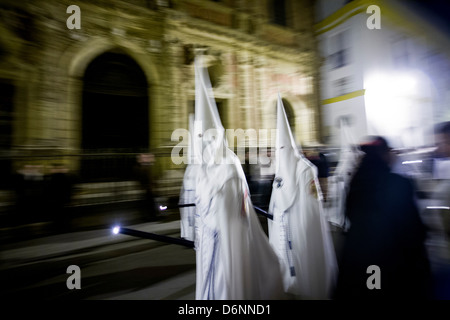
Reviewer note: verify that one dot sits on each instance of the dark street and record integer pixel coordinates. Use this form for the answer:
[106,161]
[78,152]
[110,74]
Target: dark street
[112,266]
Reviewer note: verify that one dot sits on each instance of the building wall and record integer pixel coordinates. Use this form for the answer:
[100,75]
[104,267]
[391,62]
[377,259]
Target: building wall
[386,85]
[250,59]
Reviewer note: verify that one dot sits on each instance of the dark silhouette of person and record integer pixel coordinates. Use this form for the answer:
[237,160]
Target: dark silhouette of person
[385,231]
[29,187]
[144,176]
[319,159]
[59,186]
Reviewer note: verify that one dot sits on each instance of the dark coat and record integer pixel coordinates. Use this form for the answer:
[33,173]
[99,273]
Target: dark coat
[386,230]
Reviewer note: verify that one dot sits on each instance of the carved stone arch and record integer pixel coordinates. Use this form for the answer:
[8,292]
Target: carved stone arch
[299,116]
[73,64]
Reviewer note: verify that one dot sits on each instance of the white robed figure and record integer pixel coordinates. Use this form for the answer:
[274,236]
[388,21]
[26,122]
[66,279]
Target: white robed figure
[299,232]
[187,193]
[339,182]
[234,259]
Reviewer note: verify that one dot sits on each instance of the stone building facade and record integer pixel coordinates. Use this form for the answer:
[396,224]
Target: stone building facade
[124,81]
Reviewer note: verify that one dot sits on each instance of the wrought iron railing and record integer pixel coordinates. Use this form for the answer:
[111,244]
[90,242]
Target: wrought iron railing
[90,166]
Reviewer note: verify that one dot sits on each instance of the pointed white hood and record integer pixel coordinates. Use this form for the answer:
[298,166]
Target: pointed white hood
[209,138]
[350,154]
[191,168]
[209,133]
[287,156]
[346,136]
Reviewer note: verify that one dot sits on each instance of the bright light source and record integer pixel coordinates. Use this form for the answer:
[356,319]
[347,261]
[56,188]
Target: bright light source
[398,106]
[404,84]
[116,230]
[439,207]
[162,208]
[412,161]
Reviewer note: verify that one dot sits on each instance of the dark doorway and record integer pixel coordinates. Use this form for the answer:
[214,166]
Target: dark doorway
[278,11]
[289,114]
[115,115]
[115,104]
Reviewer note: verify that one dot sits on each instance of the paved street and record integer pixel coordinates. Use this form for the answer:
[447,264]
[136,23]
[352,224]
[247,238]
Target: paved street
[127,268]
[112,266]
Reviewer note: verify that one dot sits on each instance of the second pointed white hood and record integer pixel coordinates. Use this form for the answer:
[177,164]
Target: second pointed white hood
[350,153]
[287,157]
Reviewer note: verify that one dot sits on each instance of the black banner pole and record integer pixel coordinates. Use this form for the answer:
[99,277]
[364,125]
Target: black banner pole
[154,236]
[263,213]
[257,209]
[164,208]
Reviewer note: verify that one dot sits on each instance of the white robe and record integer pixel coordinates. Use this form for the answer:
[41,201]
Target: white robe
[233,255]
[187,196]
[338,185]
[234,259]
[300,235]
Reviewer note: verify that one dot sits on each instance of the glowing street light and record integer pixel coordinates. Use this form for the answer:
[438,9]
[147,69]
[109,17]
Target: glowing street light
[116,230]
[396,106]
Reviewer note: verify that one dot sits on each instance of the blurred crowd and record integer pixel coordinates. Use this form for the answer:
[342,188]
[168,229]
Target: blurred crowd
[42,194]
[396,214]
[49,193]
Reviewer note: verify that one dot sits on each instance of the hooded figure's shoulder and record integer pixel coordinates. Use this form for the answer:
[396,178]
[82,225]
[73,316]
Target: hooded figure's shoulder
[306,167]
[212,178]
[398,190]
[398,181]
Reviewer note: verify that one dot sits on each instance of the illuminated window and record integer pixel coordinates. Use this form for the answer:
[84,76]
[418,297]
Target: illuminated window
[339,50]
[342,86]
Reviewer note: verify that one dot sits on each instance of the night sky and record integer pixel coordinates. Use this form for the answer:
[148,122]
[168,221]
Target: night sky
[435,11]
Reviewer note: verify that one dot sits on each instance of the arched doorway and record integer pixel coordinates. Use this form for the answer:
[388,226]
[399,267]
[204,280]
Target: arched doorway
[289,114]
[288,109]
[115,116]
[300,117]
